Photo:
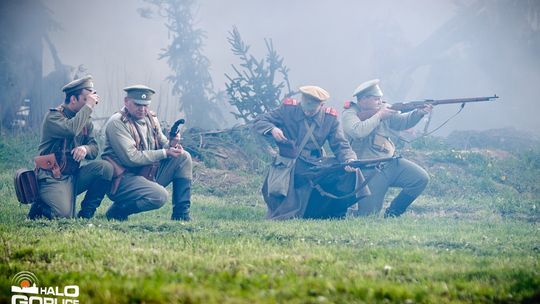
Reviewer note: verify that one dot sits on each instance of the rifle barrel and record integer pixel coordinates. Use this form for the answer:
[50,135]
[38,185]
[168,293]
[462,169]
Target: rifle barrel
[409,106]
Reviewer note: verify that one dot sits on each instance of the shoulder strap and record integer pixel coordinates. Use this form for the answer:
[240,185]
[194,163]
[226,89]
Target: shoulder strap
[134,131]
[311,136]
[151,116]
[306,138]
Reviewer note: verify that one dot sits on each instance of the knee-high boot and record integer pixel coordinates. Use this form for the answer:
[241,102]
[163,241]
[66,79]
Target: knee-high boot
[39,210]
[399,205]
[93,198]
[181,199]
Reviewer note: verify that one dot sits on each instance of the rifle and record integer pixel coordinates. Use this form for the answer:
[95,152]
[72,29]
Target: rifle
[320,171]
[176,128]
[411,105]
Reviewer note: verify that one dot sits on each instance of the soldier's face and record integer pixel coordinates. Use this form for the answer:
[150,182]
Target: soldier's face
[370,102]
[310,106]
[136,110]
[76,103]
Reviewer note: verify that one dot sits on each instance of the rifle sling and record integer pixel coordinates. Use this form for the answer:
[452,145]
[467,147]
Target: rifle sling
[330,195]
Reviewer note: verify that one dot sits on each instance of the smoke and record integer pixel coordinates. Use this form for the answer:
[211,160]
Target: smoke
[419,49]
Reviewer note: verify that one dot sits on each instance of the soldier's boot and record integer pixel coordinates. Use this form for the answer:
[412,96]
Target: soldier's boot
[181,199]
[39,210]
[117,211]
[35,211]
[399,205]
[95,194]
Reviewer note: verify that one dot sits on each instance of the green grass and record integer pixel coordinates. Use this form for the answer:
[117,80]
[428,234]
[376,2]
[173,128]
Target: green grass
[475,248]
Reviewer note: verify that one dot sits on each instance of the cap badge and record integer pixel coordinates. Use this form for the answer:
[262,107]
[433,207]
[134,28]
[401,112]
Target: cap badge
[143,96]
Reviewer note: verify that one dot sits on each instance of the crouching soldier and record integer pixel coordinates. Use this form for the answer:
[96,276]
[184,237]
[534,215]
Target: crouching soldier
[67,138]
[145,161]
[300,130]
[370,138]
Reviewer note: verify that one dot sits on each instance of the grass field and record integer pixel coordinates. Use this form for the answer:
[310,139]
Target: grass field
[464,246]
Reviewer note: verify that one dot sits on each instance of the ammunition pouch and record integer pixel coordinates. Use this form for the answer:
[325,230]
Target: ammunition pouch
[383,144]
[118,172]
[49,162]
[149,171]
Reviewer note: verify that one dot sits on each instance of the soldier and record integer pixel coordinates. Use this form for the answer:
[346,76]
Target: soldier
[371,139]
[67,137]
[145,161]
[300,130]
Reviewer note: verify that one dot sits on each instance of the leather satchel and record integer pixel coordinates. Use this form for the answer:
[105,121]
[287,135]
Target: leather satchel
[279,175]
[26,186]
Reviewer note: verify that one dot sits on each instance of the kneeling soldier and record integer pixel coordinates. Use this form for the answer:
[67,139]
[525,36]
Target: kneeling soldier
[145,161]
[300,129]
[67,137]
[370,138]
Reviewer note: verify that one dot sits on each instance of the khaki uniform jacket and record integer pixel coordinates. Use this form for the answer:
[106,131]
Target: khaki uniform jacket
[290,119]
[121,144]
[76,127]
[371,138]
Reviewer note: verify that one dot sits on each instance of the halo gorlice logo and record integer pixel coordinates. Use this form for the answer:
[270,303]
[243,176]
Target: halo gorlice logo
[26,290]
[25,282]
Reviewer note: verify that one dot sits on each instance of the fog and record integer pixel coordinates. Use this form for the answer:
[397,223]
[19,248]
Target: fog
[418,48]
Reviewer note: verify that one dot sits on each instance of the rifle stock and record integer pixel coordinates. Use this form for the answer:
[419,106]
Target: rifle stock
[412,105]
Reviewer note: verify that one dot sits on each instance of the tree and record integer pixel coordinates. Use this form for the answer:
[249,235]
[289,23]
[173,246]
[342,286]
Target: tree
[191,78]
[253,90]
[23,25]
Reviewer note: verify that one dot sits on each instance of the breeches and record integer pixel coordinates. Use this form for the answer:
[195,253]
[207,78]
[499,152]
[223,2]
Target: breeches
[58,194]
[145,195]
[400,173]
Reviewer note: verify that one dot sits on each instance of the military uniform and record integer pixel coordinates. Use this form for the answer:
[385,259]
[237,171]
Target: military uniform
[301,200]
[62,126]
[134,143]
[371,138]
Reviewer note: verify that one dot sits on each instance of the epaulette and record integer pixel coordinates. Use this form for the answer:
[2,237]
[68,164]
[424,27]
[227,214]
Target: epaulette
[348,104]
[57,109]
[123,116]
[152,113]
[290,102]
[331,111]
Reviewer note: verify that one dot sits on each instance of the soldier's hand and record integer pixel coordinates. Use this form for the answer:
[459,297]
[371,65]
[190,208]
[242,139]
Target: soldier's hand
[278,134]
[175,151]
[79,153]
[173,142]
[91,99]
[349,168]
[426,109]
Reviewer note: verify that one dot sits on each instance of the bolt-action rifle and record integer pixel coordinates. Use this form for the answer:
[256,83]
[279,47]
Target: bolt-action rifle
[411,105]
[319,173]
